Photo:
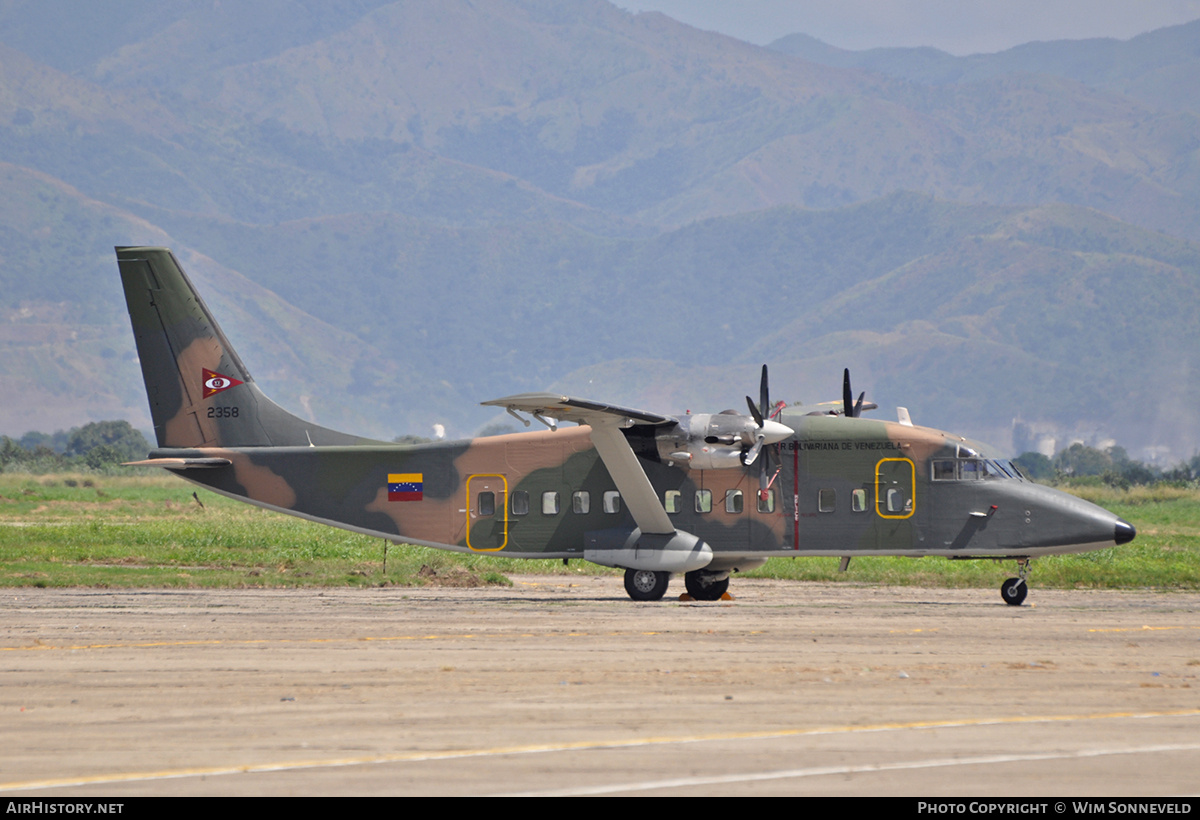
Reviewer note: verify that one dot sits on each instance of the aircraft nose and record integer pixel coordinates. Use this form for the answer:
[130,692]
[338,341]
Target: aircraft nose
[773,431]
[1123,532]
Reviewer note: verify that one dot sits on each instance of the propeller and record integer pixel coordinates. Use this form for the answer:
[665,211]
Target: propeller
[850,409]
[759,413]
[726,439]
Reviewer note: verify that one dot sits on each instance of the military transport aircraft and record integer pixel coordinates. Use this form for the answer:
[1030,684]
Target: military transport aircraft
[701,494]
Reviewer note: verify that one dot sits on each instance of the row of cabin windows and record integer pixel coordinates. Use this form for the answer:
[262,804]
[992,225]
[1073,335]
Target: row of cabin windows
[827,500]
[734,501]
[581,502]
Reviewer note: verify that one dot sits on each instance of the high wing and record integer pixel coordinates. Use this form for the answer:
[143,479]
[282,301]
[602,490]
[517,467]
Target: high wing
[606,422]
[830,408]
[580,411]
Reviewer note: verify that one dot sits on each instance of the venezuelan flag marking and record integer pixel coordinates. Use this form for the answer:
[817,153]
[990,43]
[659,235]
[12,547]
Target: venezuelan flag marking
[406,486]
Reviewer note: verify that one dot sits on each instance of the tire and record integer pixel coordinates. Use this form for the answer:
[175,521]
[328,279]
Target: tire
[646,584]
[704,586]
[1013,591]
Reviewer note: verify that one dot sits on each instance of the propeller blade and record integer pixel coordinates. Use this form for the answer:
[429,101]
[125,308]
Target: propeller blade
[850,409]
[764,405]
[758,418]
[754,451]
[764,397]
[764,480]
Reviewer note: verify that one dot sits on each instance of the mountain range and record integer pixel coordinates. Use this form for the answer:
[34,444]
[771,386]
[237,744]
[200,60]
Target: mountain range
[400,209]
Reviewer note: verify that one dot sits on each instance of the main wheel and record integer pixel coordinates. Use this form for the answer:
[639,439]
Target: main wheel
[704,586]
[646,584]
[1013,591]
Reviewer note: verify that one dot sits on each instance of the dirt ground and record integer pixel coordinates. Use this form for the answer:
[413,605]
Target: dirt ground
[561,685]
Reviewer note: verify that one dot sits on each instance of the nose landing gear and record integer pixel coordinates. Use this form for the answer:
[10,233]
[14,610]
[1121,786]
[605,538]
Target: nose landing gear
[1014,590]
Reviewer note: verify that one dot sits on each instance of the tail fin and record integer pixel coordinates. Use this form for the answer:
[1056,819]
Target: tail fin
[201,395]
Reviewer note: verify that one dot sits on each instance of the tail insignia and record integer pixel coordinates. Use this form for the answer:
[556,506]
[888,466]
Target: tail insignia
[215,382]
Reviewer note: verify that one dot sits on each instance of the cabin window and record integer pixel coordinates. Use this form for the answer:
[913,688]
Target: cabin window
[733,501]
[703,501]
[898,502]
[766,502]
[581,502]
[826,500]
[671,501]
[487,503]
[520,502]
[612,501]
[858,501]
[549,503]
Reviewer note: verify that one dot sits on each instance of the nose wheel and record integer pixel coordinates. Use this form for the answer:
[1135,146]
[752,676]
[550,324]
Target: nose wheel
[1014,590]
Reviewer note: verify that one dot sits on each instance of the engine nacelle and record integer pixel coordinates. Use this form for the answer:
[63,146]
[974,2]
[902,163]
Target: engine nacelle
[701,456]
[715,441]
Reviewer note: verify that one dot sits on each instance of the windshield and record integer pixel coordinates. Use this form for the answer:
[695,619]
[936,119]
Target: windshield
[973,469]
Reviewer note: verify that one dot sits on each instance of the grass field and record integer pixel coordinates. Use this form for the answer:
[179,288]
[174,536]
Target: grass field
[149,531]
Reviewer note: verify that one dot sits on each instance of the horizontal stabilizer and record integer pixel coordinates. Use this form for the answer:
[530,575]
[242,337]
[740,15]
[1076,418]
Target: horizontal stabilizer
[181,463]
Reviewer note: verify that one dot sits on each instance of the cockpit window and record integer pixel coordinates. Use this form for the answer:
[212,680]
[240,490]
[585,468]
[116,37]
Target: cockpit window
[1011,469]
[972,469]
[945,469]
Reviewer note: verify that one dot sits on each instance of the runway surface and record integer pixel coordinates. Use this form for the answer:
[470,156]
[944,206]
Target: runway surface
[561,685]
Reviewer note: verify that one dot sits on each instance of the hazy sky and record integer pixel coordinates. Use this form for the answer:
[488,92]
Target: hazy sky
[957,26]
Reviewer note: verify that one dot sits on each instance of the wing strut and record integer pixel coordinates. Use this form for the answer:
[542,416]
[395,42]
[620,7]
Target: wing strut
[630,479]
[606,422]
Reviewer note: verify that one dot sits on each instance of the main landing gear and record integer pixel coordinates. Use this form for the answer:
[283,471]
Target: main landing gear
[646,584]
[706,586]
[649,585]
[1014,590]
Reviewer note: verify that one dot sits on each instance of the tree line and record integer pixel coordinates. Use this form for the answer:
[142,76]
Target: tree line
[1111,466]
[99,446]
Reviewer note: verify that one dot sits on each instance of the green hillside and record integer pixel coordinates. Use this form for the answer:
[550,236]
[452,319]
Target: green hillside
[400,209]
[1158,67]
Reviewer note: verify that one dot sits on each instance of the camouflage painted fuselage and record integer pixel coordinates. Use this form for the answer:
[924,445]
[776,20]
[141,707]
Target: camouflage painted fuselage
[844,486]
